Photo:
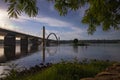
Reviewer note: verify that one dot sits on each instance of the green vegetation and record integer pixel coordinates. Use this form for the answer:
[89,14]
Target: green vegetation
[16,7]
[104,13]
[63,71]
[75,41]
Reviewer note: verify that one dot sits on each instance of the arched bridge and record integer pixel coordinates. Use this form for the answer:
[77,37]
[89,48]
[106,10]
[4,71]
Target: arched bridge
[47,39]
[10,41]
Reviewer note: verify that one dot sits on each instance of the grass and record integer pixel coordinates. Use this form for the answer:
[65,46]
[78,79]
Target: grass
[64,71]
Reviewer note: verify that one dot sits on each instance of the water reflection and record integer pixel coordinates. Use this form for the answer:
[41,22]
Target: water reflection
[49,51]
[34,48]
[9,52]
[6,53]
[75,49]
[52,50]
[56,53]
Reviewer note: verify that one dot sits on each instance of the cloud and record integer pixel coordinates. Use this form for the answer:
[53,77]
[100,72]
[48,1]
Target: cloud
[21,19]
[67,27]
[67,30]
[3,17]
[5,22]
[68,35]
[52,22]
[71,35]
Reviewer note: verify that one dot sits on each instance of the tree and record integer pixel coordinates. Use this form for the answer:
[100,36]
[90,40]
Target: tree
[105,13]
[16,7]
[75,41]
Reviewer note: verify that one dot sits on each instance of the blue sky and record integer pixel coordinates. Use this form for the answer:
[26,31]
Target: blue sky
[66,27]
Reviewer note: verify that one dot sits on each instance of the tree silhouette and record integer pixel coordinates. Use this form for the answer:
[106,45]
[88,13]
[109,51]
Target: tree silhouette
[75,41]
[104,13]
[16,7]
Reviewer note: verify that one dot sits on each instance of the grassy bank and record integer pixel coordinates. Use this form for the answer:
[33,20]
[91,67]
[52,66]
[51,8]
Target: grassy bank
[62,71]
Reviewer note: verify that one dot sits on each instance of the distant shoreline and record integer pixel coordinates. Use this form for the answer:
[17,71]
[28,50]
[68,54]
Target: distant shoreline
[90,41]
[79,41]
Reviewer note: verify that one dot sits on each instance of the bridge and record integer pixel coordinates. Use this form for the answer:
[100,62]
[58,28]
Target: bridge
[10,41]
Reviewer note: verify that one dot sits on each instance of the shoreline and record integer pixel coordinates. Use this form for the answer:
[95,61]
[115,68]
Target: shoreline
[44,67]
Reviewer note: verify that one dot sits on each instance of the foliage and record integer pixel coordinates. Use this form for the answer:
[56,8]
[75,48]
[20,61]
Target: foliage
[75,41]
[16,7]
[63,6]
[66,71]
[102,12]
[105,13]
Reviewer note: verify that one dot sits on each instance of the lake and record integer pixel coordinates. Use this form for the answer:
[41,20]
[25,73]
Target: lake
[67,52]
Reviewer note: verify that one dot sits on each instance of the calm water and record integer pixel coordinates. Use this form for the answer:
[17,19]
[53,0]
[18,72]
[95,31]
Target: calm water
[66,52]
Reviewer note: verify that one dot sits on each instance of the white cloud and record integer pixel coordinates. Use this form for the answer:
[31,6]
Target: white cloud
[48,21]
[68,35]
[21,19]
[3,18]
[5,22]
[52,22]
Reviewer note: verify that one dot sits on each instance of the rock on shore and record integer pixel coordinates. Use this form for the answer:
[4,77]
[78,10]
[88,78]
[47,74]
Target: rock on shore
[111,73]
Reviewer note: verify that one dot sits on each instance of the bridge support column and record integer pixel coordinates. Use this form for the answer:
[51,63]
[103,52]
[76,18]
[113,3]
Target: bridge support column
[43,44]
[47,43]
[35,44]
[24,44]
[9,46]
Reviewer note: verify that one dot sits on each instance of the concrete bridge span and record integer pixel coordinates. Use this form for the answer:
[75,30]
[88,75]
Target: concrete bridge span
[10,41]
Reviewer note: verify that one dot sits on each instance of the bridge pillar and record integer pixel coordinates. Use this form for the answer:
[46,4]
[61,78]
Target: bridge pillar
[35,44]
[24,44]
[47,43]
[9,46]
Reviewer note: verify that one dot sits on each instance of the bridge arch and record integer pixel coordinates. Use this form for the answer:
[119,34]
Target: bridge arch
[49,36]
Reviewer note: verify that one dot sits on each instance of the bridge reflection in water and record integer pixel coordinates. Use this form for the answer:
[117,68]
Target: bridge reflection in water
[5,54]
[9,42]
[46,42]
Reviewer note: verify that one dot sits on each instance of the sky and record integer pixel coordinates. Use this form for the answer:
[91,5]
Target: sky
[66,27]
